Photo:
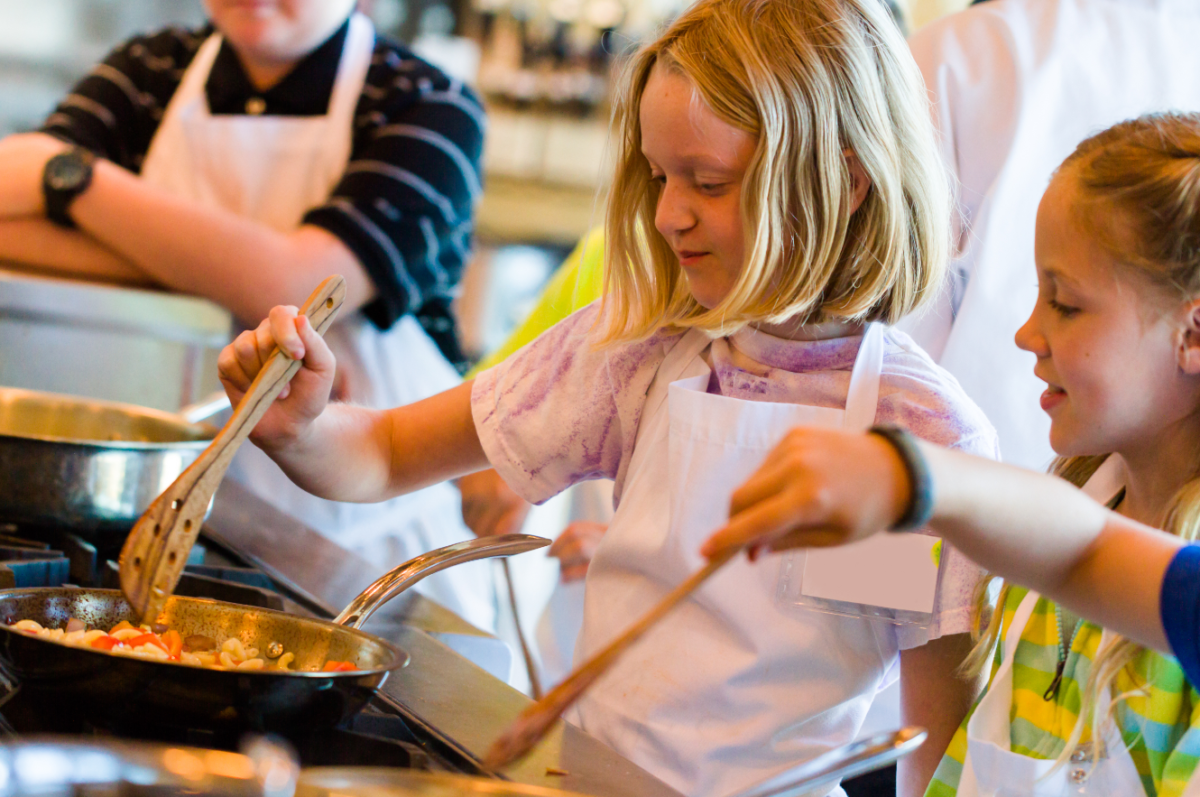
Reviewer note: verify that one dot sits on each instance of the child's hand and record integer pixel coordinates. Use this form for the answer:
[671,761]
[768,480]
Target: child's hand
[489,506]
[302,399]
[819,487]
[575,548]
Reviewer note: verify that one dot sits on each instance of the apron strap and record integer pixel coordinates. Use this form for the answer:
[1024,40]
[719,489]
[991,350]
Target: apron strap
[682,354]
[862,399]
[1019,622]
[353,67]
[195,77]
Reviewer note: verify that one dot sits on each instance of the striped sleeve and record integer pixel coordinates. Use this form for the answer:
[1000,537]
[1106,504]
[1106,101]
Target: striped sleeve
[405,203]
[116,108]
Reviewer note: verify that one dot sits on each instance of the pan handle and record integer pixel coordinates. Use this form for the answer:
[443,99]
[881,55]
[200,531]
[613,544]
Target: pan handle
[401,578]
[204,409]
[847,761]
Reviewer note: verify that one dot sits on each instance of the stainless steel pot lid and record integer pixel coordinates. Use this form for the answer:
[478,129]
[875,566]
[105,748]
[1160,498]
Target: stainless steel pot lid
[70,419]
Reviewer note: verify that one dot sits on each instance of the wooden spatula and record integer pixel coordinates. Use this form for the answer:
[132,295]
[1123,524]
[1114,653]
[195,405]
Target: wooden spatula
[157,548]
[535,721]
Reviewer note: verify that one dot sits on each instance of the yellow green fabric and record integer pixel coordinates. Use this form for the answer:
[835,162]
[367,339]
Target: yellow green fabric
[1161,726]
[578,282]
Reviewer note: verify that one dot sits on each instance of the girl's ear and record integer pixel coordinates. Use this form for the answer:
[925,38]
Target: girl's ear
[859,180]
[1189,341]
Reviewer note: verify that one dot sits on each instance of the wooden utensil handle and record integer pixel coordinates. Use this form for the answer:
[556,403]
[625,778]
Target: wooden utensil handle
[536,720]
[156,550]
[598,664]
[321,308]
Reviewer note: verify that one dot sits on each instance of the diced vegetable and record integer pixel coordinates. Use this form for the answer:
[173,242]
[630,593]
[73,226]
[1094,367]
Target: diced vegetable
[174,643]
[121,626]
[198,642]
[105,643]
[338,666]
[76,625]
[148,639]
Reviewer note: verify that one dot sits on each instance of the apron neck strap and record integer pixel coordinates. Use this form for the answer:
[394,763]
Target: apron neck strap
[1017,627]
[195,77]
[686,349]
[862,399]
[357,51]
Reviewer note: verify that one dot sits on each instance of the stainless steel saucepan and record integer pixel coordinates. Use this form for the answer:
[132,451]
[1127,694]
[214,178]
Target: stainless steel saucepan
[88,466]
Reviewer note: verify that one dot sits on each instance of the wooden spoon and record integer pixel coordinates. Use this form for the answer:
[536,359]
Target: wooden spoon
[535,721]
[156,550]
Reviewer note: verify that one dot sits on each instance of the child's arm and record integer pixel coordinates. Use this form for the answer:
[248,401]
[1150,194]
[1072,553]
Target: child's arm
[825,487]
[342,452]
[935,697]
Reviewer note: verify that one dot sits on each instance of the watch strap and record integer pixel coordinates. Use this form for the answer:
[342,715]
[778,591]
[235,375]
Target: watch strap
[920,507]
[57,198]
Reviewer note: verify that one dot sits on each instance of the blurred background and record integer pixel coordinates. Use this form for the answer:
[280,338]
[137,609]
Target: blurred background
[543,67]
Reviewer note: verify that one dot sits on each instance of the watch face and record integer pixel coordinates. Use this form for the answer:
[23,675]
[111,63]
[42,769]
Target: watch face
[65,172]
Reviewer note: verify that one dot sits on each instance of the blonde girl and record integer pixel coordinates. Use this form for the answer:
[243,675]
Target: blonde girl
[1116,332]
[777,192]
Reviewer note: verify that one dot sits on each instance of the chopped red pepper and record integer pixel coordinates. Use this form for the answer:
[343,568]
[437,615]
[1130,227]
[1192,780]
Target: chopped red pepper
[338,666]
[148,639]
[105,642]
[174,643]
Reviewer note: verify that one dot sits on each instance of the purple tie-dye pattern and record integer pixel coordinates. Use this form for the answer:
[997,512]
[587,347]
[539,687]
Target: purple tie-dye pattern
[560,411]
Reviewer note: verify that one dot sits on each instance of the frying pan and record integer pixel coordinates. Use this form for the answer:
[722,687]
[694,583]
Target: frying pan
[121,691]
[88,466]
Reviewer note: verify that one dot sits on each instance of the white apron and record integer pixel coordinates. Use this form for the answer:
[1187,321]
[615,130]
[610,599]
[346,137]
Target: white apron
[991,769]
[273,169]
[733,687]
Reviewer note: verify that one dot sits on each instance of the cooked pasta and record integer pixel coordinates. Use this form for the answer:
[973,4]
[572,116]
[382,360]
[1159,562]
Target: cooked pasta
[126,639]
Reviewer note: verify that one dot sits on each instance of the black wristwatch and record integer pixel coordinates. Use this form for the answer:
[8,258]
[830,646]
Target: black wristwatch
[66,176]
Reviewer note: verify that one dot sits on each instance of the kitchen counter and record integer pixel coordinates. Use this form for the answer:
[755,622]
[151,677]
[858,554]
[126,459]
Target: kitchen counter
[460,703]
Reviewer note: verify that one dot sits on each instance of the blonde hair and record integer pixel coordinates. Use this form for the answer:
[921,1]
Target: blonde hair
[809,79]
[1144,175]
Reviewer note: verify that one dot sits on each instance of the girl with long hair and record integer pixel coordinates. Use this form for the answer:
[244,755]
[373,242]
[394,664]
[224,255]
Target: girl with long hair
[778,199]
[1071,707]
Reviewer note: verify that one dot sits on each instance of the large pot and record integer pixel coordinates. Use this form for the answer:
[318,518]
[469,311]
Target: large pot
[88,466]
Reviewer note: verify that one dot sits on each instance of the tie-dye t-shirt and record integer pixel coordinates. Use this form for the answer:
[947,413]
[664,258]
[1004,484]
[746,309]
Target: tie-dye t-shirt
[561,410]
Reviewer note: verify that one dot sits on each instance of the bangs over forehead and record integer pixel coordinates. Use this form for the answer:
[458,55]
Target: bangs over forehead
[809,79]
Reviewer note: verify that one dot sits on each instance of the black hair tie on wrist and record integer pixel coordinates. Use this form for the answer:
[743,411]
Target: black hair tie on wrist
[919,511]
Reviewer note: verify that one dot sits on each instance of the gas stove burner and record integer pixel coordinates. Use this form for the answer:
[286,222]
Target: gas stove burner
[83,557]
[44,556]
[30,563]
